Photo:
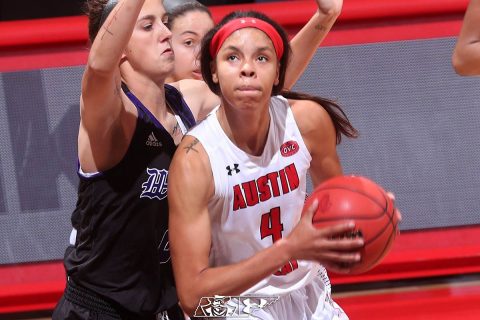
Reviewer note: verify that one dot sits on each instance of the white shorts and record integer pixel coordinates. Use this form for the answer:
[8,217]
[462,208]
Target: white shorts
[312,302]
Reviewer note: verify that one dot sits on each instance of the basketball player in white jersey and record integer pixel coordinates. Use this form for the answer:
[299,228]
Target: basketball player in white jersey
[237,183]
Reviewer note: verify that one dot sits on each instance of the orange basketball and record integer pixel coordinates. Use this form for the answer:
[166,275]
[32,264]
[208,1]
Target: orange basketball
[365,202]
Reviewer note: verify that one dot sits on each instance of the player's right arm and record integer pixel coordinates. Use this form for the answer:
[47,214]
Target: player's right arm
[101,107]
[466,55]
[190,187]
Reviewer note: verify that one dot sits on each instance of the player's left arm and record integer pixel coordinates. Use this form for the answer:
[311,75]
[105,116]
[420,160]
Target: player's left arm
[306,41]
[466,55]
[198,97]
[318,133]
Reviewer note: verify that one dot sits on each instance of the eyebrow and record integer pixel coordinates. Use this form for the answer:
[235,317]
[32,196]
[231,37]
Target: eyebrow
[189,32]
[266,48]
[147,17]
[152,17]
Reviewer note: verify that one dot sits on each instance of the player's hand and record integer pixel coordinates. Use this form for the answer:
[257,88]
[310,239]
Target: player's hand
[329,7]
[397,211]
[324,245]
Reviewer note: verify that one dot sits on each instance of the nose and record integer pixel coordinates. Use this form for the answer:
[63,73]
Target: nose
[247,70]
[165,33]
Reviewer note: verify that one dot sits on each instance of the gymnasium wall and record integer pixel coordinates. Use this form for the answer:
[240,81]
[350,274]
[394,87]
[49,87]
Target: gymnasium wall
[417,119]
[386,62]
[418,124]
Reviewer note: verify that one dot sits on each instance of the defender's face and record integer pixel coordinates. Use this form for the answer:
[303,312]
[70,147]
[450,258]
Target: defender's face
[188,31]
[149,50]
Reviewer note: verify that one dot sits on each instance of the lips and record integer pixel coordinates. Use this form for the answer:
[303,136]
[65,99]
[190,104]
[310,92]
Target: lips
[167,50]
[248,88]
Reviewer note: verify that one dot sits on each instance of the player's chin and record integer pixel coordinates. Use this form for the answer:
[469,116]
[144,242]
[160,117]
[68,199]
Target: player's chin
[253,97]
[166,67]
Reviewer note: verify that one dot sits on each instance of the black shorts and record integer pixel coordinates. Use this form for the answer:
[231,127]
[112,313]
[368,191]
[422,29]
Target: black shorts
[79,304]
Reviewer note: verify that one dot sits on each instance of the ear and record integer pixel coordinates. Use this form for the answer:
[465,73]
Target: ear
[213,69]
[123,58]
[277,77]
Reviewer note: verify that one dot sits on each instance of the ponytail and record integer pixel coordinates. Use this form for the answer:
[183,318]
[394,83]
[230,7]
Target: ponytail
[339,118]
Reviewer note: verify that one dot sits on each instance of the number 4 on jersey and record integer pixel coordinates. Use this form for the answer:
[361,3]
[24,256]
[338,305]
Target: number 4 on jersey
[271,225]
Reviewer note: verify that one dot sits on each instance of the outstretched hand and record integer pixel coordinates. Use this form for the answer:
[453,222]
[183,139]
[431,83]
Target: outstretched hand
[329,7]
[397,212]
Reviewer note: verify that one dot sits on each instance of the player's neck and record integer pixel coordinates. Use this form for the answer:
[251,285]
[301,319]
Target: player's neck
[152,96]
[247,130]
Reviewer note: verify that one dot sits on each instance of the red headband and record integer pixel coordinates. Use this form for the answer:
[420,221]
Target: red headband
[248,22]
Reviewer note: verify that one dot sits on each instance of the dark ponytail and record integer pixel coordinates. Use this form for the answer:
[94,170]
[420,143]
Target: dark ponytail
[339,118]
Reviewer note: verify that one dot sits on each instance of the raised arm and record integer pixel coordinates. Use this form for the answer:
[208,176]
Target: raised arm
[198,96]
[466,55]
[101,79]
[101,136]
[306,41]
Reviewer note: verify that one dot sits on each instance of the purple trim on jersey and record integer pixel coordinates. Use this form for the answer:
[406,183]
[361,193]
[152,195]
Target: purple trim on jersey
[177,103]
[83,175]
[179,106]
[145,110]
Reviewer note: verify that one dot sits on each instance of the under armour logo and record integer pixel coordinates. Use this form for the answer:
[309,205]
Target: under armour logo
[235,168]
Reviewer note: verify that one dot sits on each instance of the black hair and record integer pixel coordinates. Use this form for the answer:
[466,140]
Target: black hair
[339,118]
[184,8]
[97,12]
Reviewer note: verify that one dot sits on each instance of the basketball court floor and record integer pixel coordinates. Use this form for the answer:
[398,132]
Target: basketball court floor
[443,298]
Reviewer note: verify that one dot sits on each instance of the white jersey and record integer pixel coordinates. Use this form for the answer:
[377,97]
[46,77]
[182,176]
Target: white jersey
[258,199]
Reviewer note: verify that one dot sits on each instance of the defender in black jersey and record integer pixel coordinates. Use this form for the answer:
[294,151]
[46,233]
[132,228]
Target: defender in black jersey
[119,246]
[118,262]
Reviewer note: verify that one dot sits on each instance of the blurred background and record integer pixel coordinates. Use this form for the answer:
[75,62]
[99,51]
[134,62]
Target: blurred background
[32,9]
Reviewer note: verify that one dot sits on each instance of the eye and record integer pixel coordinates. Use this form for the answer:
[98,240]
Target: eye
[262,59]
[166,21]
[232,57]
[188,42]
[148,26]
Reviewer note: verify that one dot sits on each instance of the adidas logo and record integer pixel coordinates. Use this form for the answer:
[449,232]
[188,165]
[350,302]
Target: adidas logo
[152,141]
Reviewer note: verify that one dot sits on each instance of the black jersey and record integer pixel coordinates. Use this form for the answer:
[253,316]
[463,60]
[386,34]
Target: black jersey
[121,248]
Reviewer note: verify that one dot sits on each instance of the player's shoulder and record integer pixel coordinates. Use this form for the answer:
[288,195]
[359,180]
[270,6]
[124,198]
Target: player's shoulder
[190,152]
[308,114]
[305,105]
[190,86]
[190,163]
[198,96]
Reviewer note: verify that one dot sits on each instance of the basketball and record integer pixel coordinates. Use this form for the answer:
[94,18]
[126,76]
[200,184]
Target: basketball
[359,199]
